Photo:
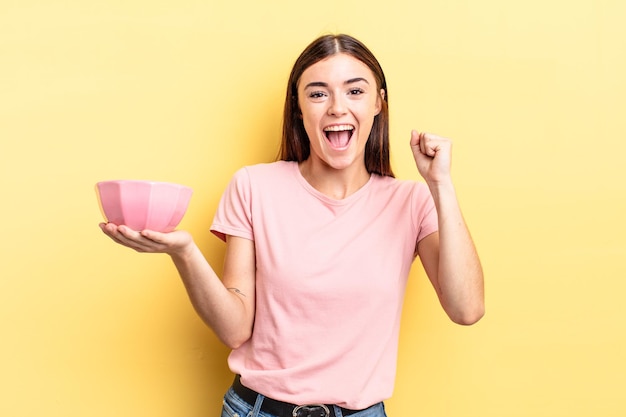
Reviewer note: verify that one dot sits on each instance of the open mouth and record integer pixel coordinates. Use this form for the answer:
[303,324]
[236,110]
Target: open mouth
[339,135]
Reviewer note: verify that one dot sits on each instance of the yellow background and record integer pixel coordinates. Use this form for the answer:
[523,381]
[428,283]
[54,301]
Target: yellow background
[188,91]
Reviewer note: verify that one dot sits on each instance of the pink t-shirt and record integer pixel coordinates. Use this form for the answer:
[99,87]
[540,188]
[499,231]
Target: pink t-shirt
[330,282]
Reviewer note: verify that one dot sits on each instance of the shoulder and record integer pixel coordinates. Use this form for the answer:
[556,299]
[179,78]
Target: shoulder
[409,188]
[267,170]
[264,176]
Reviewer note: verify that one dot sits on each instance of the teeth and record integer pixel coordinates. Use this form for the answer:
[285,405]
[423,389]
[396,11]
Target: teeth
[338,128]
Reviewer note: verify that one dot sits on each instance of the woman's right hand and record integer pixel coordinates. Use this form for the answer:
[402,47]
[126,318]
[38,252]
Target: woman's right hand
[149,241]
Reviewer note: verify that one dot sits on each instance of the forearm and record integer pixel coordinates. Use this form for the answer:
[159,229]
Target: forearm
[222,310]
[459,278]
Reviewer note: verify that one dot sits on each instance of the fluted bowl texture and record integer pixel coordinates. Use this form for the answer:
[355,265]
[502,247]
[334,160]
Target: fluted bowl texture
[142,205]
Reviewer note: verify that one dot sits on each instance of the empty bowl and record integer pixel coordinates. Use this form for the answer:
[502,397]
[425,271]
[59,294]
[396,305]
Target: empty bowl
[141,205]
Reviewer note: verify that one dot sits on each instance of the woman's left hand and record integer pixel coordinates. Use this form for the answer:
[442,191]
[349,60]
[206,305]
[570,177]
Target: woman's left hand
[449,255]
[432,155]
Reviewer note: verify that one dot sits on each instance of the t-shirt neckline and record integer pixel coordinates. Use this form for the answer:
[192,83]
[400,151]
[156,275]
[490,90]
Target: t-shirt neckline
[323,197]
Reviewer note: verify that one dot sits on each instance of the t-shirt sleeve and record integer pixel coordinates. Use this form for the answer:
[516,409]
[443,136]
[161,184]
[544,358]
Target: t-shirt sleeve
[234,213]
[426,213]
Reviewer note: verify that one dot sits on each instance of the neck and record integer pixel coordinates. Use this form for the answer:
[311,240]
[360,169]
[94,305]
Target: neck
[334,183]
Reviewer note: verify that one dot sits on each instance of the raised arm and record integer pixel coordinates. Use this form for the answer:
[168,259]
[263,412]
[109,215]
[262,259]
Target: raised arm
[449,256]
[226,305]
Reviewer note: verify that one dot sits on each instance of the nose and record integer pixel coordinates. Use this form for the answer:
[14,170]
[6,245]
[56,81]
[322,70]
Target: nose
[337,106]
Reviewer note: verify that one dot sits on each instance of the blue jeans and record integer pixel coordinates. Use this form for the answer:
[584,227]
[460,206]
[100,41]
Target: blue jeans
[236,407]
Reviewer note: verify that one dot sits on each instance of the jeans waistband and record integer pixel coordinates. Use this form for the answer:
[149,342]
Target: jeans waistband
[278,408]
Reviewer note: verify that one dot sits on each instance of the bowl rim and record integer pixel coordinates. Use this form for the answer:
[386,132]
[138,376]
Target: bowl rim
[151,182]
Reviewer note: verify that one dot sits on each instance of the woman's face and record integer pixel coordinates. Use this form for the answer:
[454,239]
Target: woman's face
[338,98]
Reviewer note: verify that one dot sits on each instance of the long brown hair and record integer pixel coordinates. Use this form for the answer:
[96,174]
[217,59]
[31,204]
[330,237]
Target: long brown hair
[295,142]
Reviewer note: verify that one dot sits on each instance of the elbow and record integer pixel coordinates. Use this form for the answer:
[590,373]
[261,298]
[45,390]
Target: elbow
[468,316]
[233,344]
[235,341]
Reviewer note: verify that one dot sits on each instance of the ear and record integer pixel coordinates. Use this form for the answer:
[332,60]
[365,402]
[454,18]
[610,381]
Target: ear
[379,101]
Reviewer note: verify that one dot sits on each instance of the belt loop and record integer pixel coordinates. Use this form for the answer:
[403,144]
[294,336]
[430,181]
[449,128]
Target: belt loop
[257,405]
[337,410]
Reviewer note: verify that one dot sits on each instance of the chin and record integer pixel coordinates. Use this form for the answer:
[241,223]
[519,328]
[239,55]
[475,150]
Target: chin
[340,163]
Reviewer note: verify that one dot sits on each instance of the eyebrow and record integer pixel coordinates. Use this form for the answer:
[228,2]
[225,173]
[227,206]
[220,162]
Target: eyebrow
[323,84]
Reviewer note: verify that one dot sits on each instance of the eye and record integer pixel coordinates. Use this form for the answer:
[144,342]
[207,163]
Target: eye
[356,91]
[316,94]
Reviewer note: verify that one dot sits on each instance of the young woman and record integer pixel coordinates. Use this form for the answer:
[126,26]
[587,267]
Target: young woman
[319,246]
